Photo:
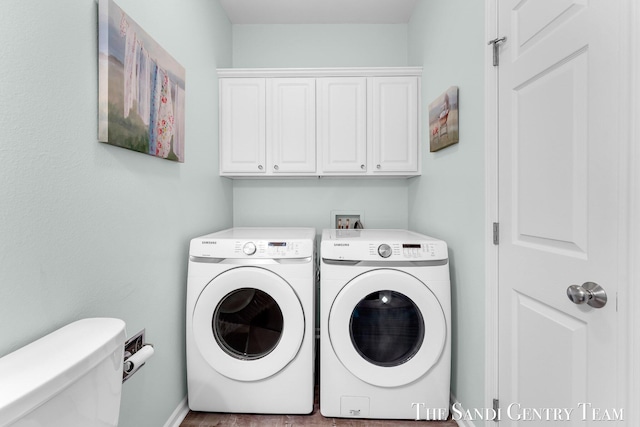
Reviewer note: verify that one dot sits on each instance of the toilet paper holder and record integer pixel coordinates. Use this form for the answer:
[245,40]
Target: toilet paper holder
[136,353]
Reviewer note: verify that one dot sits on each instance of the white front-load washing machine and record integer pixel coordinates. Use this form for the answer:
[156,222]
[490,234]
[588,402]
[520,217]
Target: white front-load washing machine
[250,321]
[385,313]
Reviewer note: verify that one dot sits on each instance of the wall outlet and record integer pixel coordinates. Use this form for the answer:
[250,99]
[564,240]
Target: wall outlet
[347,219]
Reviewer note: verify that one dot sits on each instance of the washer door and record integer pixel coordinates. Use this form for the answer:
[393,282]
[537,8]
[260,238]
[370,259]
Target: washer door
[248,323]
[387,327]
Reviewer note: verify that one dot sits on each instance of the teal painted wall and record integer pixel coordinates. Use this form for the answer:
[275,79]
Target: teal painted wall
[447,201]
[310,202]
[88,229]
[319,45]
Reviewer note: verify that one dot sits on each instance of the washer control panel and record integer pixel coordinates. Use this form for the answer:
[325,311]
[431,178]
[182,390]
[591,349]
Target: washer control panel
[268,249]
[255,243]
[265,249]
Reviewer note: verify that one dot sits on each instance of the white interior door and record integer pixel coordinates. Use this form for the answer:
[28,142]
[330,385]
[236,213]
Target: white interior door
[559,141]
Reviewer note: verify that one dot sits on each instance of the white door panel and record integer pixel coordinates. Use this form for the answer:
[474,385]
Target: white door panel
[549,158]
[394,131]
[342,123]
[554,345]
[559,140]
[242,125]
[292,115]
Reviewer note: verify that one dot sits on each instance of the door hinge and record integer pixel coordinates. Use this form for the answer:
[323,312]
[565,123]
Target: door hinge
[496,49]
[496,233]
[496,410]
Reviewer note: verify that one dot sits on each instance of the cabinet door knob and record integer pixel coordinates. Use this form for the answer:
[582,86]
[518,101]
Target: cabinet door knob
[260,167]
[362,167]
[276,167]
[378,167]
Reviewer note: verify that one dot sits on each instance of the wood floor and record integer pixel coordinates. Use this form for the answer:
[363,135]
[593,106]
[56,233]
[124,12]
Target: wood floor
[315,419]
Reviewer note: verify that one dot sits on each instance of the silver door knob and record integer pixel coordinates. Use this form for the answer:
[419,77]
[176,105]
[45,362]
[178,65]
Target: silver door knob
[589,293]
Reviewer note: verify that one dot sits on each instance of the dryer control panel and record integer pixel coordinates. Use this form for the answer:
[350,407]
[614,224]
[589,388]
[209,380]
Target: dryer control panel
[381,245]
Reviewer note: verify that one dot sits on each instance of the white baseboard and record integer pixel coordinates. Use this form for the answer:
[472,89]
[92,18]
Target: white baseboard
[179,414]
[462,422]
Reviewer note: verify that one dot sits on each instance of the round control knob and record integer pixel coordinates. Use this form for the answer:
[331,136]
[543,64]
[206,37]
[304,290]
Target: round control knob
[249,248]
[384,250]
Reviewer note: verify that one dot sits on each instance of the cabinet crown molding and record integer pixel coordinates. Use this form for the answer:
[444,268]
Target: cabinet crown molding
[320,72]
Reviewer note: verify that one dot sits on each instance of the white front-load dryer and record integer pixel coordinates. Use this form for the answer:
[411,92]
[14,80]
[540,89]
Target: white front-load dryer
[385,325]
[250,321]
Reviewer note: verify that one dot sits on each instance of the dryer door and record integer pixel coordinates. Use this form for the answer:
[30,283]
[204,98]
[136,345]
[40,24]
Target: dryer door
[387,327]
[248,323]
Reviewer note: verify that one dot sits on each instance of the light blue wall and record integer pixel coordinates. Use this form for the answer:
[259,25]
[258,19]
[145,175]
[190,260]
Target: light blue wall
[88,229]
[447,201]
[309,202]
[320,45]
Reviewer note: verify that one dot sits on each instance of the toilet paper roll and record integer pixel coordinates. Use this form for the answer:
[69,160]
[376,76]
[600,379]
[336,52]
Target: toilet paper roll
[138,358]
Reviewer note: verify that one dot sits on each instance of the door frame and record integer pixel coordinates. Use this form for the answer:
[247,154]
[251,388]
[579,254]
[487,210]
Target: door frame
[633,292]
[629,214]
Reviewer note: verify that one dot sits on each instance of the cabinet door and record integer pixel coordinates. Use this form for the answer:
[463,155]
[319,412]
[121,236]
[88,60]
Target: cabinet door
[291,136]
[342,124]
[394,124]
[242,125]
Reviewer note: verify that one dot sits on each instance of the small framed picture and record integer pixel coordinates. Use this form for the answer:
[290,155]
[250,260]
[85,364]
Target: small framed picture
[443,120]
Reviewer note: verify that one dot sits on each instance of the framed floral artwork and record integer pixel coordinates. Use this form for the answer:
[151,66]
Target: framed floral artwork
[141,89]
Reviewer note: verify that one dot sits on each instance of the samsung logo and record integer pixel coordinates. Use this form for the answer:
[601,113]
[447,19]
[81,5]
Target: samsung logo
[204,242]
[340,244]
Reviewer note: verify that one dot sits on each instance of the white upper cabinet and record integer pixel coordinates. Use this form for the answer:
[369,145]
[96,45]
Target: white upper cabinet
[394,124]
[291,128]
[342,124]
[242,126]
[320,122]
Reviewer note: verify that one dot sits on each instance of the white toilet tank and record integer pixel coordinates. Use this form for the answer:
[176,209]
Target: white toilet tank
[69,378]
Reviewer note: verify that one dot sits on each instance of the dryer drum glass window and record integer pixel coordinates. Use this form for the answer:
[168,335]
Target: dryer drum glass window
[247,323]
[386,328]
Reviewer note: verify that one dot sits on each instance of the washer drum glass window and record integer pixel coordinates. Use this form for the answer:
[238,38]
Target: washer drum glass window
[248,323]
[387,327]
